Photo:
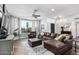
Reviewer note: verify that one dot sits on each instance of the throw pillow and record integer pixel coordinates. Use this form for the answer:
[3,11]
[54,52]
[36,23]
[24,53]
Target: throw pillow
[60,38]
[57,38]
[42,33]
[67,37]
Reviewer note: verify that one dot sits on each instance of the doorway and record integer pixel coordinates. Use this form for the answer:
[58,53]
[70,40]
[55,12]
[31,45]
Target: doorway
[52,28]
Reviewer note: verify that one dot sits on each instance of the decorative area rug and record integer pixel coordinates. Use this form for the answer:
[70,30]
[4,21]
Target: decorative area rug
[40,50]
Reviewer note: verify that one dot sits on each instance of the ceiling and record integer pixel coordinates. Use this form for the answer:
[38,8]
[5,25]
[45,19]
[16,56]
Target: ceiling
[26,10]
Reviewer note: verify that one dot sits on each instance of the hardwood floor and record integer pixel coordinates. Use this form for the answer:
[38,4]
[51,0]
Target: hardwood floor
[19,47]
[5,47]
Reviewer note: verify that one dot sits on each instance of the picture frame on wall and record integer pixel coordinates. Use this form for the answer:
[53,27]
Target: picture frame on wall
[42,27]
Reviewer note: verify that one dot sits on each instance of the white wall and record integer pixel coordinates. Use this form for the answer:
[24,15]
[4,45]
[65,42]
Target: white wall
[66,23]
[58,28]
[43,25]
[47,24]
[58,25]
[77,28]
[73,29]
[49,21]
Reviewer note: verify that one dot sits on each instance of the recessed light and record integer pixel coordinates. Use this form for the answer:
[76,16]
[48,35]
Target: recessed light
[60,16]
[53,9]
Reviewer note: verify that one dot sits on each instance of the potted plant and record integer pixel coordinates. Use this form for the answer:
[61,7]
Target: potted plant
[29,30]
[15,32]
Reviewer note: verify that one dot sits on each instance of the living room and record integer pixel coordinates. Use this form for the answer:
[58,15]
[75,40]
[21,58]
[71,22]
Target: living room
[39,29]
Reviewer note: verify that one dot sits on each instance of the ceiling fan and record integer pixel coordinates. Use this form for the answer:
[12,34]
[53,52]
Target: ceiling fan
[34,14]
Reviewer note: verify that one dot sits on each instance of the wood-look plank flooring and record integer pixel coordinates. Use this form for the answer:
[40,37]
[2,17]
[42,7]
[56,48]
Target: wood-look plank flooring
[19,47]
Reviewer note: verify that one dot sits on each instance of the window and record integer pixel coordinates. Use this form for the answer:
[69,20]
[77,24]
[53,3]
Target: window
[28,25]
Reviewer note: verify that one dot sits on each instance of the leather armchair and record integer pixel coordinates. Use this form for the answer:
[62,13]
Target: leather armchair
[47,36]
[32,35]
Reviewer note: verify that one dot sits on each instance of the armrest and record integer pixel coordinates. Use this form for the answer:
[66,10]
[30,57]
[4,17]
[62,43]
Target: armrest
[69,41]
[71,37]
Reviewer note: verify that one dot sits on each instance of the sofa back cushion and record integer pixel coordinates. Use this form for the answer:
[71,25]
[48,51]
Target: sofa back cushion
[68,36]
[53,35]
[47,34]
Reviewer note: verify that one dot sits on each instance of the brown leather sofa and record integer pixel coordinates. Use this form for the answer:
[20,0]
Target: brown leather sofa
[49,36]
[67,32]
[57,47]
[44,36]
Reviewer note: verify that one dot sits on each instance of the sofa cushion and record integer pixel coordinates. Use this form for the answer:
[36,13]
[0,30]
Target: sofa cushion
[42,33]
[57,47]
[47,34]
[54,43]
[60,38]
[68,37]
[53,35]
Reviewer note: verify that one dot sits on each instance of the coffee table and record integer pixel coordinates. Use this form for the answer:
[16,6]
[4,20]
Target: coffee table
[34,42]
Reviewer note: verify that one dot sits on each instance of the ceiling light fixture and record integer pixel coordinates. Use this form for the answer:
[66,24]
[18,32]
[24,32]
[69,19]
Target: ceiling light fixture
[60,16]
[53,9]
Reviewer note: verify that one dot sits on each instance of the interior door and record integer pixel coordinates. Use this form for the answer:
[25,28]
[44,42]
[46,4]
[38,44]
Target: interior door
[52,28]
